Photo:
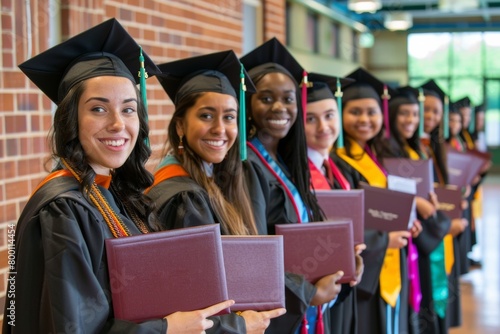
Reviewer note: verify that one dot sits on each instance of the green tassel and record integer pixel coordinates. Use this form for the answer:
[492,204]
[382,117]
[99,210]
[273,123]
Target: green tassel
[446,119]
[143,75]
[242,118]
[338,94]
[421,100]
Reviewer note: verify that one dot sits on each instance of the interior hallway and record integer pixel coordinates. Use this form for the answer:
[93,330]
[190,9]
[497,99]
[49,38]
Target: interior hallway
[480,288]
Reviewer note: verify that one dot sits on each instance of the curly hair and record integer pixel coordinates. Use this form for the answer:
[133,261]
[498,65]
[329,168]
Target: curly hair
[129,180]
[230,204]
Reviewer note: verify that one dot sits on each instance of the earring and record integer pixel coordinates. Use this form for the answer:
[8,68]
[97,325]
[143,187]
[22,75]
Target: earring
[180,148]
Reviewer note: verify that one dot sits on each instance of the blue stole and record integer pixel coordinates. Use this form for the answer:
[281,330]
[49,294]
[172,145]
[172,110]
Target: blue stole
[290,189]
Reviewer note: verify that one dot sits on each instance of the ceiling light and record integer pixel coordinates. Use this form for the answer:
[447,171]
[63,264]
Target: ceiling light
[398,21]
[363,6]
[458,5]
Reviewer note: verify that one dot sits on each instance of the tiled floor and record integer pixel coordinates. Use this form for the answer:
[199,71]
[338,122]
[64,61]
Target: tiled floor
[480,288]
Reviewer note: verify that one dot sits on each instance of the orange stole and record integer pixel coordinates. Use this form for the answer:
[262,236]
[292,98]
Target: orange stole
[390,275]
[167,172]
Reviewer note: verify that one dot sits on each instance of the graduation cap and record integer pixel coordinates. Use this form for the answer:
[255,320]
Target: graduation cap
[219,72]
[480,108]
[322,87]
[272,57]
[104,50]
[368,86]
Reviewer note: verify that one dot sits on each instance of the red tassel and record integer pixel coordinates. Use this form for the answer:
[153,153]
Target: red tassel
[320,328]
[304,86]
[303,328]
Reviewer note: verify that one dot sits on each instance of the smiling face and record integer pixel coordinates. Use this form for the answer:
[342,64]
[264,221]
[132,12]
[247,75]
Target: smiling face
[274,107]
[362,119]
[407,120]
[108,122]
[322,125]
[455,124]
[210,126]
[433,112]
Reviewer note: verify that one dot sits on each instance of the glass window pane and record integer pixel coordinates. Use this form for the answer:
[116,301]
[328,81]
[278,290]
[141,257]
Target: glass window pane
[473,88]
[428,55]
[492,116]
[467,51]
[492,50]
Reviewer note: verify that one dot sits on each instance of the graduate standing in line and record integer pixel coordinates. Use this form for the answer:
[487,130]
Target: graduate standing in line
[279,178]
[433,144]
[98,141]
[404,142]
[382,295]
[322,128]
[200,179]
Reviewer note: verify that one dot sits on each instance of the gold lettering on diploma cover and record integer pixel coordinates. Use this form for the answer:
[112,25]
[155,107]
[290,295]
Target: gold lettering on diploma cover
[446,206]
[382,214]
[454,171]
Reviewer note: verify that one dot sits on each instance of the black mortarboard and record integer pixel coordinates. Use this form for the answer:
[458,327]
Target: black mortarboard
[432,86]
[463,102]
[215,72]
[219,72]
[480,108]
[270,57]
[323,86]
[104,50]
[365,86]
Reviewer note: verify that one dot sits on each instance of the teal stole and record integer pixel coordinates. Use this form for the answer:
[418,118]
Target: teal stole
[290,189]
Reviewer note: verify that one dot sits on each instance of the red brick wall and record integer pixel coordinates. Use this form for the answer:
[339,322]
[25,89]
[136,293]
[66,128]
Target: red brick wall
[167,30]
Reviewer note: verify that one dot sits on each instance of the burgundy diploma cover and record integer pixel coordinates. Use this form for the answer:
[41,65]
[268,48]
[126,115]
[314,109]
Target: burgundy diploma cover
[318,249]
[153,275]
[450,200]
[255,272]
[388,210]
[463,167]
[345,204]
[419,170]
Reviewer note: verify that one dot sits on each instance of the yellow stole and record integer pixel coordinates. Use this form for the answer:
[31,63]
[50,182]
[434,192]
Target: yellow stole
[390,275]
[468,139]
[449,257]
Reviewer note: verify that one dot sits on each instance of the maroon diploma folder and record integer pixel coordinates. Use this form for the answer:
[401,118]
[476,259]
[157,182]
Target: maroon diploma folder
[450,200]
[345,204]
[419,170]
[388,210]
[255,271]
[153,275]
[463,167]
[318,249]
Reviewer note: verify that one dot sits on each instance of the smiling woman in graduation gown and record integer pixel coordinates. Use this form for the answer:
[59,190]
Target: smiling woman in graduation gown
[200,179]
[278,177]
[382,294]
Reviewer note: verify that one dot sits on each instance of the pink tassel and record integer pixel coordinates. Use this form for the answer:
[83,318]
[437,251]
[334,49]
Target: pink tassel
[304,86]
[303,329]
[415,293]
[385,107]
[320,328]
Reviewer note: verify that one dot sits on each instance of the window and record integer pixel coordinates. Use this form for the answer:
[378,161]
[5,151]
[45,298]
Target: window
[334,49]
[252,25]
[312,32]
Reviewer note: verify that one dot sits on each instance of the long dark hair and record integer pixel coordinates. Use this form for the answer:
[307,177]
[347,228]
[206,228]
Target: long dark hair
[129,180]
[228,199]
[293,151]
[437,142]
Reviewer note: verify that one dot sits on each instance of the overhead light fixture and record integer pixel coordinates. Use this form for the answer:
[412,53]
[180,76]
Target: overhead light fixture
[364,6]
[458,5]
[398,20]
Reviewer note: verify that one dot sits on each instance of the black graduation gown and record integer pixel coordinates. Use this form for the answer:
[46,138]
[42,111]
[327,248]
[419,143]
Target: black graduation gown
[62,282]
[371,307]
[343,314]
[271,206]
[181,202]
